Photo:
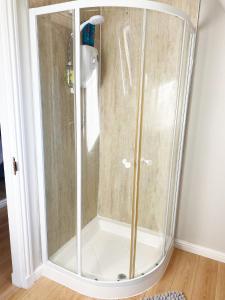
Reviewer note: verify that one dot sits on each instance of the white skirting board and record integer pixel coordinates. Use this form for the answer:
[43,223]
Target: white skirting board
[3,203]
[200,250]
[30,280]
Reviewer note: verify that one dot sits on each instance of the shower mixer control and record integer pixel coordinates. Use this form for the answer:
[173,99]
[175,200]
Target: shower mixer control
[94,60]
[126,163]
[148,162]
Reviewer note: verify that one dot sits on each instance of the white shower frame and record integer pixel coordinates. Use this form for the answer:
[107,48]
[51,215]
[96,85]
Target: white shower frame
[89,287]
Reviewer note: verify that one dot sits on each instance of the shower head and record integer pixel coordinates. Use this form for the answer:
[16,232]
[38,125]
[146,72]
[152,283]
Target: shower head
[94,20]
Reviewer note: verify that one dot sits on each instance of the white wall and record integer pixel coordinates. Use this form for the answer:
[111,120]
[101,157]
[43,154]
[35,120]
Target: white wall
[201,213]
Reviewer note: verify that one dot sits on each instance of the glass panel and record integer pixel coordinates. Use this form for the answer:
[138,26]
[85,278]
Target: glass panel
[161,78]
[175,163]
[109,116]
[54,40]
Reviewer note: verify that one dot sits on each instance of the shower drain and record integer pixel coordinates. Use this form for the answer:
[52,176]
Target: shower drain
[121,276]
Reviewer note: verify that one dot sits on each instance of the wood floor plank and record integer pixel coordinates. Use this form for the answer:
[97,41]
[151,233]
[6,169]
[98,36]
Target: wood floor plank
[6,290]
[61,293]
[18,294]
[220,285]
[41,290]
[185,274]
[166,282]
[205,280]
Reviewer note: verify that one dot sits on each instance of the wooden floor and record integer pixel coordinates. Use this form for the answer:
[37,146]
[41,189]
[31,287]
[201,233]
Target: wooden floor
[199,278]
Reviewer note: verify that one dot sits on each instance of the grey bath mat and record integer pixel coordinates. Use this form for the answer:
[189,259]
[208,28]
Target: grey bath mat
[168,296]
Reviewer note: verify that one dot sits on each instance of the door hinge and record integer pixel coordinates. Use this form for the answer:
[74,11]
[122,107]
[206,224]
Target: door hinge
[15,166]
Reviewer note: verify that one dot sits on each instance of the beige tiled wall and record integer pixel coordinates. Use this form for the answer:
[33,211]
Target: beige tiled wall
[120,57]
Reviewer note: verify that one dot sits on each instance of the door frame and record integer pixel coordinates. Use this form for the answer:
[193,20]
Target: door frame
[15,134]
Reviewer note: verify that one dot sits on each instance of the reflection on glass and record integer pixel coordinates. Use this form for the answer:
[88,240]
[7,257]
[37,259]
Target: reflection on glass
[92,111]
[109,115]
[54,38]
[161,73]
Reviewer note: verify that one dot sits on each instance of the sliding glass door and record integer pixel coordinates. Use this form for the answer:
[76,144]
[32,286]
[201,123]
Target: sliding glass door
[113,94]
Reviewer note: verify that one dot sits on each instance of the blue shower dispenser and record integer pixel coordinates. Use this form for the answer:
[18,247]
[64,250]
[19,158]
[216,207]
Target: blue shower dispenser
[88,35]
[89,57]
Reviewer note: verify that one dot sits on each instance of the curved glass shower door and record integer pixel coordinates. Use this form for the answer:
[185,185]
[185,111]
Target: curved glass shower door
[113,83]
[161,110]
[108,143]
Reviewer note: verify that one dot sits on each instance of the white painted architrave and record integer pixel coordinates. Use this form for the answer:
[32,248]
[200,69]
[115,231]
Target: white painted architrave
[14,145]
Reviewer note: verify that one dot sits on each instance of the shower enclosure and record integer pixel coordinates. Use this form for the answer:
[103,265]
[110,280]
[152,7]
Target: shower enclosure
[110,118]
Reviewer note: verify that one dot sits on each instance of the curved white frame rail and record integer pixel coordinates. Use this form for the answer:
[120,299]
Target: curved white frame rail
[89,287]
